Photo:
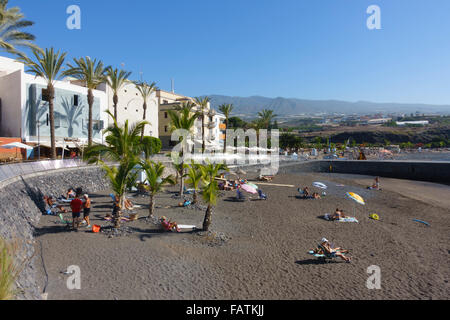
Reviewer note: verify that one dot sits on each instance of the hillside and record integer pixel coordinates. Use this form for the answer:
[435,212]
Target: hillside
[249,106]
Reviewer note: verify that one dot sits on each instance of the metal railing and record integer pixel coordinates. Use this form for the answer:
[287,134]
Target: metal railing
[9,171]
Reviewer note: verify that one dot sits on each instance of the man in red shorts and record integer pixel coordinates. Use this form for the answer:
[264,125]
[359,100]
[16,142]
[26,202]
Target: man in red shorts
[76,205]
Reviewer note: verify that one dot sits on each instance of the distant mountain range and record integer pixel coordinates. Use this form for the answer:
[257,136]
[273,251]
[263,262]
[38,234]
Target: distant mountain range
[249,106]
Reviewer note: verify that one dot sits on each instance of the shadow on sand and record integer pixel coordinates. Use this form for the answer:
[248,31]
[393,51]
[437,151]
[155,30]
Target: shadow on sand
[314,262]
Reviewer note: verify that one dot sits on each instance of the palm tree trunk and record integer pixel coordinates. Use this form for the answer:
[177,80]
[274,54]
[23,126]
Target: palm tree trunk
[151,206]
[195,196]
[116,217]
[90,103]
[145,114]
[51,111]
[115,101]
[203,131]
[181,180]
[208,216]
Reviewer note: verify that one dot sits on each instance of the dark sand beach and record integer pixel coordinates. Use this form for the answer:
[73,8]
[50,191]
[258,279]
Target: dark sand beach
[260,247]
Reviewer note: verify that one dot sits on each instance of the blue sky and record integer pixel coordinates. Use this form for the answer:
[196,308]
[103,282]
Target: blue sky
[311,49]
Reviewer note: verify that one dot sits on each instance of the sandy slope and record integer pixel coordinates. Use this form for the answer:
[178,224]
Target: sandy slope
[266,257]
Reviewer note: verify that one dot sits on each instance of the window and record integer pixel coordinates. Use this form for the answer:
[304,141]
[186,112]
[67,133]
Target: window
[165,115]
[165,129]
[75,100]
[165,102]
[45,96]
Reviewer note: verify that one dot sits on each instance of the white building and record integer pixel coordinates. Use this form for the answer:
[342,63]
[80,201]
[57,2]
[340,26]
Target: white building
[130,107]
[24,111]
[416,123]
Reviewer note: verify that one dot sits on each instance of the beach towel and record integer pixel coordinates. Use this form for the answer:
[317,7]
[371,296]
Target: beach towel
[328,216]
[186,226]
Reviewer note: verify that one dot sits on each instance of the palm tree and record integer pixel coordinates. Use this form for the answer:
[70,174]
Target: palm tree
[146,91]
[11,23]
[210,188]
[116,80]
[182,118]
[92,73]
[122,147]
[226,109]
[47,65]
[203,104]
[195,176]
[156,182]
[266,117]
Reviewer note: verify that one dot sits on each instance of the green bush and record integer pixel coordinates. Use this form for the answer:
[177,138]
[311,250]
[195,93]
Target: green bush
[151,146]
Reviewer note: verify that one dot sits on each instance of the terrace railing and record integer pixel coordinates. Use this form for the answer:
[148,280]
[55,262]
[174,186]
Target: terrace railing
[10,171]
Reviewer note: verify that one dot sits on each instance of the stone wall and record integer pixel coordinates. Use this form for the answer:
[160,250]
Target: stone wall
[21,206]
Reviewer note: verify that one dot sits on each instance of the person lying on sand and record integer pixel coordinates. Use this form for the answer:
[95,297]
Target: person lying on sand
[169,225]
[265,178]
[338,252]
[316,196]
[375,185]
[51,204]
[338,214]
[185,203]
[306,192]
[128,204]
[70,194]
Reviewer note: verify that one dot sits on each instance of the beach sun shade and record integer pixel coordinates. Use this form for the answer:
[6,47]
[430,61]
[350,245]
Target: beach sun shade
[16,145]
[355,197]
[249,189]
[319,185]
[253,185]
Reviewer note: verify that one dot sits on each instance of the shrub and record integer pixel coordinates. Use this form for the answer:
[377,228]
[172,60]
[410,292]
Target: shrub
[10,268]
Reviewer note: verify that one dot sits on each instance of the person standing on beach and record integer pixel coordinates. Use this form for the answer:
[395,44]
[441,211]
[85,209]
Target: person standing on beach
[87,210]
[76,205]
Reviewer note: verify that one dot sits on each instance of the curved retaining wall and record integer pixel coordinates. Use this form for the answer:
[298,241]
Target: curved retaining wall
[21,206]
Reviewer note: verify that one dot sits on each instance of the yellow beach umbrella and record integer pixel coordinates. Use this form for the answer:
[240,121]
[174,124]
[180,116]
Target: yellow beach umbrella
[356,197]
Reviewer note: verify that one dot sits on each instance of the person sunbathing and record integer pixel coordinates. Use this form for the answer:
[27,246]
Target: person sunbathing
[338,214]
[316,196]
[168,225]
[338,252]
[306,192]
[128,204]
[50,205]
[70,194]
[376,184]
[265,178]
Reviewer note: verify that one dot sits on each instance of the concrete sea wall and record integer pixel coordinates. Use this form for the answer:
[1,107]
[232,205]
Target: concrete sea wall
[431,171]
[21,206]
